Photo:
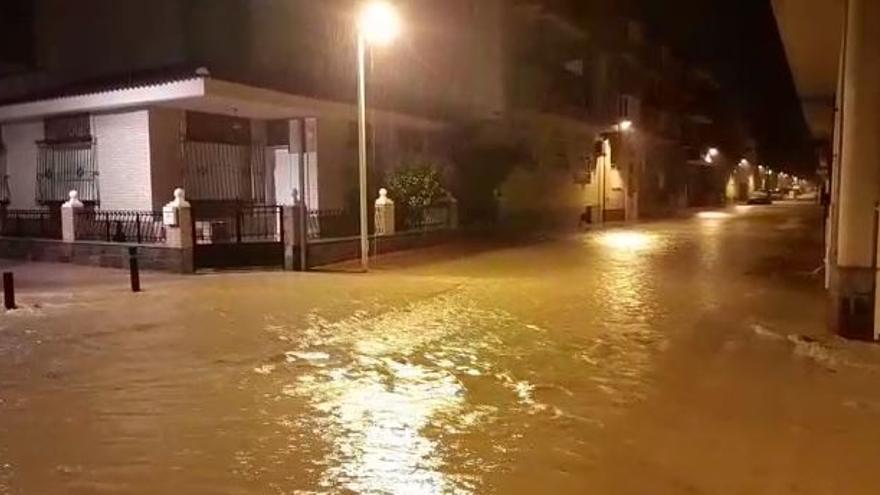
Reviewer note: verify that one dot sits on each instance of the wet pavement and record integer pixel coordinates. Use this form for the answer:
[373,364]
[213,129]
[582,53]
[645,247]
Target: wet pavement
[686,356]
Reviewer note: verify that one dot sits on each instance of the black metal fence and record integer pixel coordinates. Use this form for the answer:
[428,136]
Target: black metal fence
[41,224]
[239,224]
[224,172]
[331,224]
[63,167]
[141,227]
[435,217]
[328,224]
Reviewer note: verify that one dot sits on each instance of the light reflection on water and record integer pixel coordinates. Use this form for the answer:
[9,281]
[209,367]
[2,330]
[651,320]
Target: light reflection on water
[376,412]
[379,394]
[625,282]
[395,395]
[713,215]
[626,241]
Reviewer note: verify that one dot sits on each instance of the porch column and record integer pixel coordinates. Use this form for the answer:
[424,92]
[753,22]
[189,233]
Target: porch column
[68,216]
[852,276]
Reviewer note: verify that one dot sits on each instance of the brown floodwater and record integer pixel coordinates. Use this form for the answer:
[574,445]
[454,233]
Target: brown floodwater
[685,356]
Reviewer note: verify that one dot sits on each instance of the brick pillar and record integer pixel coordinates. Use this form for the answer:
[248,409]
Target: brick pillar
[384,214]
[178,220]
[68,216]
[292,226]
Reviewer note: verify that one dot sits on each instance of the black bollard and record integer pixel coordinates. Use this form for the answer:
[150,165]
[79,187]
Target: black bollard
[133,269]
[8,291]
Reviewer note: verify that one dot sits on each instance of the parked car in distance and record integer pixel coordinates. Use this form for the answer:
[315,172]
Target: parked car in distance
[760,198]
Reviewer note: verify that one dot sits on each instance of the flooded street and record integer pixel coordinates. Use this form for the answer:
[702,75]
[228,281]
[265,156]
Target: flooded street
[685,356]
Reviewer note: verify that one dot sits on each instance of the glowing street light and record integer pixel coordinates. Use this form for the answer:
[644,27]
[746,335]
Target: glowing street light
[625,125]
[711,155]
[377,24]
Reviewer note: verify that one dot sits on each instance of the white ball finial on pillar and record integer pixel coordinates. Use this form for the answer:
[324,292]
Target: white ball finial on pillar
[383,198]
[177,217]
[73,201]
[180,198]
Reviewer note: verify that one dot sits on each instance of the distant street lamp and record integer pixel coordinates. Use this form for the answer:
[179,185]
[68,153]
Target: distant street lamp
[625,125]
[378,24]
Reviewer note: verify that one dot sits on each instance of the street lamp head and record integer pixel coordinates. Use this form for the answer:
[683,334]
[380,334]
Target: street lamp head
[713,152]
[625,125]
[379,22]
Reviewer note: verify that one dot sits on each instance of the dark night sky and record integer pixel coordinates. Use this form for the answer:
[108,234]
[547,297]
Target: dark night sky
[739,42]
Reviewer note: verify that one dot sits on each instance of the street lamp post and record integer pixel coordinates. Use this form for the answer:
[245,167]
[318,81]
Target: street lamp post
[362,151]
[378,24]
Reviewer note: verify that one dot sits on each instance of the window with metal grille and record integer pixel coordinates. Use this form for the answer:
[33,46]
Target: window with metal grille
[224,172]
[63,167]
[66,160]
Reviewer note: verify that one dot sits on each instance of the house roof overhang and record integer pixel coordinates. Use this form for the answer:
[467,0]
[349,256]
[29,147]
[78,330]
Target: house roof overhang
[203,94]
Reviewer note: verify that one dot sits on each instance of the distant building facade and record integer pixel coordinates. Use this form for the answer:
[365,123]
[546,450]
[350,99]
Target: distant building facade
[591,66]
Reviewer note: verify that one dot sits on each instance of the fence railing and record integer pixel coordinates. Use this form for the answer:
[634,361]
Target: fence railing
[238,224]
[435,217]
[63,167]
[4,189]
[328,224]
[41,224]
[141,227]
[224,172]
[331,224]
